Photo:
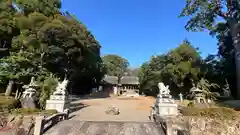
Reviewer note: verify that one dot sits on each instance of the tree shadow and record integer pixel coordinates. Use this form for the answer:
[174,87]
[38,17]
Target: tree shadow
[234,104]
[76,107]
[94,95]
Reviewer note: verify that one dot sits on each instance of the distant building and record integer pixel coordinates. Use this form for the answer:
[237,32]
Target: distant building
[126,83]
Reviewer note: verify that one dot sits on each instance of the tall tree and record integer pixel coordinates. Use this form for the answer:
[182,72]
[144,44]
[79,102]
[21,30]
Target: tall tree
[8,27]
[115,65]
[219,17]
[179,68]
[49,42]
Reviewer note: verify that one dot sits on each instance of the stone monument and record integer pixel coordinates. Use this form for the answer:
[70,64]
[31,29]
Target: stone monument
[59,99]
[164,105]
[198,95]
[180,97]
[30,89]
[29,95]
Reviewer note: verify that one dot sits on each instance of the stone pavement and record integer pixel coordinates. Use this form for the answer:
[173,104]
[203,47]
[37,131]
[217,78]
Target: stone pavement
[71,127]
[91,118]
[130,110]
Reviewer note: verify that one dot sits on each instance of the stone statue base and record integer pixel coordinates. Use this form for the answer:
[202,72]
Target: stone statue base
[167,109]
[58,97]
[57,102]
[165,106]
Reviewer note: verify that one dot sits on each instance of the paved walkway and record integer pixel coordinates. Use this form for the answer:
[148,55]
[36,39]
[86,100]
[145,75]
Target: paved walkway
[72,127]
[130,110]
[91,118]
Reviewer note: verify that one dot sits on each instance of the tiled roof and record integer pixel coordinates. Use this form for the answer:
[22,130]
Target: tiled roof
[110,79]
[129,80]
[124,80]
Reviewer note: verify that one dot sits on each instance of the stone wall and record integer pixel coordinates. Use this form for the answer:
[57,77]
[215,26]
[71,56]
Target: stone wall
[204,126]
[16,125]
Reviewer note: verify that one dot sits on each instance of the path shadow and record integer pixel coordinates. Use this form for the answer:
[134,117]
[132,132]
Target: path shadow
[234,104]
[76,107]
[94,95]
[71,116]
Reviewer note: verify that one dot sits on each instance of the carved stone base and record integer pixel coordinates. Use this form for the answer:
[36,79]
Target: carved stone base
[167,109]
[59,105]
[58,97]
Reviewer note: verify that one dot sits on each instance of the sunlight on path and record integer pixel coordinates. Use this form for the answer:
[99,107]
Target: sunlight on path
[130,109]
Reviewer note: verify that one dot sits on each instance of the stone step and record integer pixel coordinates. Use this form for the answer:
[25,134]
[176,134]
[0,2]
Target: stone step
[73,127]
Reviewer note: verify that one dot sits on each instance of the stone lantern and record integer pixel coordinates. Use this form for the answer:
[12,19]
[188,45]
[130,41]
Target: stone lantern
[30,89]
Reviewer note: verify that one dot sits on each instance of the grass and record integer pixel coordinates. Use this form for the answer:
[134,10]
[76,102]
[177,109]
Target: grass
[9,105]
[185,102]
[222,113]
[28,111]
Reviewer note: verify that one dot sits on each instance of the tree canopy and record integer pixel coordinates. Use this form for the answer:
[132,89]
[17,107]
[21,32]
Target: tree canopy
[221,19]
[40,40]
[180,68]
[115,65]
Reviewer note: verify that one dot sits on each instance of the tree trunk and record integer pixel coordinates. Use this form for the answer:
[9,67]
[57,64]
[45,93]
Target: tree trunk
[9,88]
[235,31]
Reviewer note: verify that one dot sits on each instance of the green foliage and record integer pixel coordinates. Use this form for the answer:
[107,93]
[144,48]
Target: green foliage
[205,15]
[221,113]
[190,104]
[25,111]
[47,87]
[8,103]
[15,67]
[30,111]
[43,40]
[179,68]
[49,112]
[115,65]
[206,86]
[133,71]
[47,7]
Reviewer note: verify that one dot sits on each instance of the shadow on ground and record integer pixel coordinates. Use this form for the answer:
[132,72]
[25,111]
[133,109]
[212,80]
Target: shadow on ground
[234,104]
[76,107]
[94,95]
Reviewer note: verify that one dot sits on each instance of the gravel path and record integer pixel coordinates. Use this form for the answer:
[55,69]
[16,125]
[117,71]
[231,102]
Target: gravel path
[91,119]
[130,110]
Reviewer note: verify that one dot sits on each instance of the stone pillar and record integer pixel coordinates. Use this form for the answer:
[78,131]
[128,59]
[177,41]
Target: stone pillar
[115,90]
[38,128]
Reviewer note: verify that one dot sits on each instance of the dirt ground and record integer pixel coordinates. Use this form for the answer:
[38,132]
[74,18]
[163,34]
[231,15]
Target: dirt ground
[136,109]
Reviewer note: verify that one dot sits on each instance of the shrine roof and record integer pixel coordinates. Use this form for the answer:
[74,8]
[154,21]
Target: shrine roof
[124,80]
[110,80]
[130,80]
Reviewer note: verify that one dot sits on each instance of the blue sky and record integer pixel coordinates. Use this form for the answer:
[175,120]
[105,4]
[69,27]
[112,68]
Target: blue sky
[137,29]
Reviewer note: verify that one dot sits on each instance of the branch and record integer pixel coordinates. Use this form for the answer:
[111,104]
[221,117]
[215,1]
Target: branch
[230,7]
[220,12]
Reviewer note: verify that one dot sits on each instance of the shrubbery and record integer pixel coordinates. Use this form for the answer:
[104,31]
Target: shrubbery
[213,112]
[8,103]
[25,111]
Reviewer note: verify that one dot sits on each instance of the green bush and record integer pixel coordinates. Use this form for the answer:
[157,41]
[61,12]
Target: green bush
[49,112]
[28,111]
[214,112]
[7,103]
[190,104]
[47,87]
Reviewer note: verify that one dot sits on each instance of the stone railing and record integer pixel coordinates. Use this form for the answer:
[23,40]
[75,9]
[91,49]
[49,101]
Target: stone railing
[44,123]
